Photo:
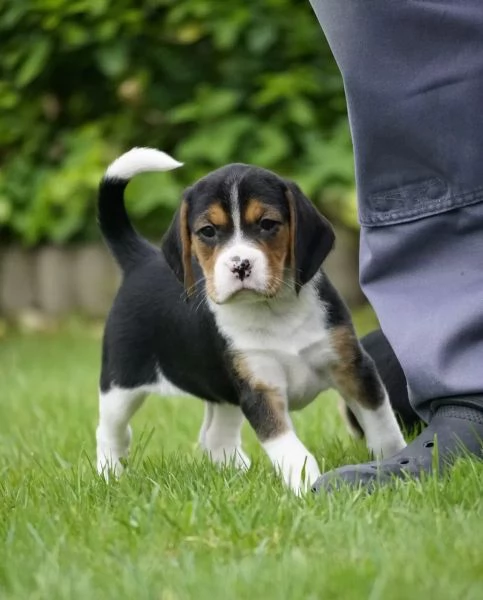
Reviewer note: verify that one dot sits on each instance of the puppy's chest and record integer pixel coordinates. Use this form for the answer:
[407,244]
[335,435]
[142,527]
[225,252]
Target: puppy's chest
[291,352]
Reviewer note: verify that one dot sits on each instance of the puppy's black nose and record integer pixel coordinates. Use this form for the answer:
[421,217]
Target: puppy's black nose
[241,268]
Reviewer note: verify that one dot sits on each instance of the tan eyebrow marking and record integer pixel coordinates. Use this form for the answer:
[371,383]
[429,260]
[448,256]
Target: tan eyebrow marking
[256,209]
[216,215]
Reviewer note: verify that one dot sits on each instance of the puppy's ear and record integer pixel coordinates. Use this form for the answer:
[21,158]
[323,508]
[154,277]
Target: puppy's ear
[312,236]
[176,247]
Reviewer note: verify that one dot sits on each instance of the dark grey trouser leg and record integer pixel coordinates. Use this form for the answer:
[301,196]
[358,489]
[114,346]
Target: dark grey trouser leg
[413,74]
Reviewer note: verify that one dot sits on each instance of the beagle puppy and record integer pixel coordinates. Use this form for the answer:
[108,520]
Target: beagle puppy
[235,309]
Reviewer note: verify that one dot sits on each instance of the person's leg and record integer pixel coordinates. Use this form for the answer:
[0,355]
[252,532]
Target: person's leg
[413,75]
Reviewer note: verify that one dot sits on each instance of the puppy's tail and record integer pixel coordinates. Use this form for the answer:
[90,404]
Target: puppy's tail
[126,245]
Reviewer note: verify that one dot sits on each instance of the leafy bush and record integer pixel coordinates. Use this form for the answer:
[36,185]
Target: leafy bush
[210,82]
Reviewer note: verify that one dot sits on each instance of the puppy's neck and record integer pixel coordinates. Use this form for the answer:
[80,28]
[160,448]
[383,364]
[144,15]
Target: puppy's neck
[265,313]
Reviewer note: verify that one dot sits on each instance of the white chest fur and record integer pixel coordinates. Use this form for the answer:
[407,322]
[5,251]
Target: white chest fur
[285,343]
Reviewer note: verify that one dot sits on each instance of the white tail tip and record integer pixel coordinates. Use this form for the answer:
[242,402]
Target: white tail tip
[140,160]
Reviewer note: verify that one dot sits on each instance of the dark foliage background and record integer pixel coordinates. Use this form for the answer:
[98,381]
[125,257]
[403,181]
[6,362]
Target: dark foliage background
[208,81]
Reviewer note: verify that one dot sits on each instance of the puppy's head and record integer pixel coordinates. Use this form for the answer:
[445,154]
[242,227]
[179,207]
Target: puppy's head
[252,232]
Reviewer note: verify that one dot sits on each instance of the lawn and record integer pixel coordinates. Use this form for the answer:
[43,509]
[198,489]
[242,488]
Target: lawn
[174,527]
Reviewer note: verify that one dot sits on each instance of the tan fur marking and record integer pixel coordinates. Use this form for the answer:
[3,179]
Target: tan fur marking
[267,412]
[276,248]
[256,209]
[218,216]
[186,245]
[206,256]
[277,251]
[344,371]
[215,215]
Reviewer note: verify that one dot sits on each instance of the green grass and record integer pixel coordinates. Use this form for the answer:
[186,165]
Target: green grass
[174,527]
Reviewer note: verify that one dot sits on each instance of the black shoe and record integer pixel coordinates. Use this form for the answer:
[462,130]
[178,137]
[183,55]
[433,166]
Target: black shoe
[455,430]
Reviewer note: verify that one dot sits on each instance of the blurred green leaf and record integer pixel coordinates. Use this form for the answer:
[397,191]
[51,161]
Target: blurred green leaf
[216,142]
[113,60]
[151,191]
[35,61]
[5,209]
[271,146]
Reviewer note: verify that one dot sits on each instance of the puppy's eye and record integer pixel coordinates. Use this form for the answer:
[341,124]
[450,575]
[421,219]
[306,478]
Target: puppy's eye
[208,231]
[268,224]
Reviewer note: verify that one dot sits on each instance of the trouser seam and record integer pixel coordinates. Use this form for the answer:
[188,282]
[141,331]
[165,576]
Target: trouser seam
[430,209]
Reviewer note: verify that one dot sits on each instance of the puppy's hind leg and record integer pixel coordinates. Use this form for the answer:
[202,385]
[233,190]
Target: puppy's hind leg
[220,435]
[116,407]
[349,418]
[207,419]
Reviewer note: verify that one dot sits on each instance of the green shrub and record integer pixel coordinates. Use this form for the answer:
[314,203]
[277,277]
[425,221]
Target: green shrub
[210,82]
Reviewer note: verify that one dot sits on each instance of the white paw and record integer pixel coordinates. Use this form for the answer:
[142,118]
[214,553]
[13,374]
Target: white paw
[294,462]
[110,454]
[382,431]
[108,465]
[233,456]
[386,444]
[389,447]
[300,473]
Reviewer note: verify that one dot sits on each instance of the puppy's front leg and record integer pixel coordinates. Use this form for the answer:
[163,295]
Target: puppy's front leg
[266,411]
[356,378]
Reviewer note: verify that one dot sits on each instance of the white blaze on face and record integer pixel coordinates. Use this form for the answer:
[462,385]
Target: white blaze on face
[241,265]
[235,209]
